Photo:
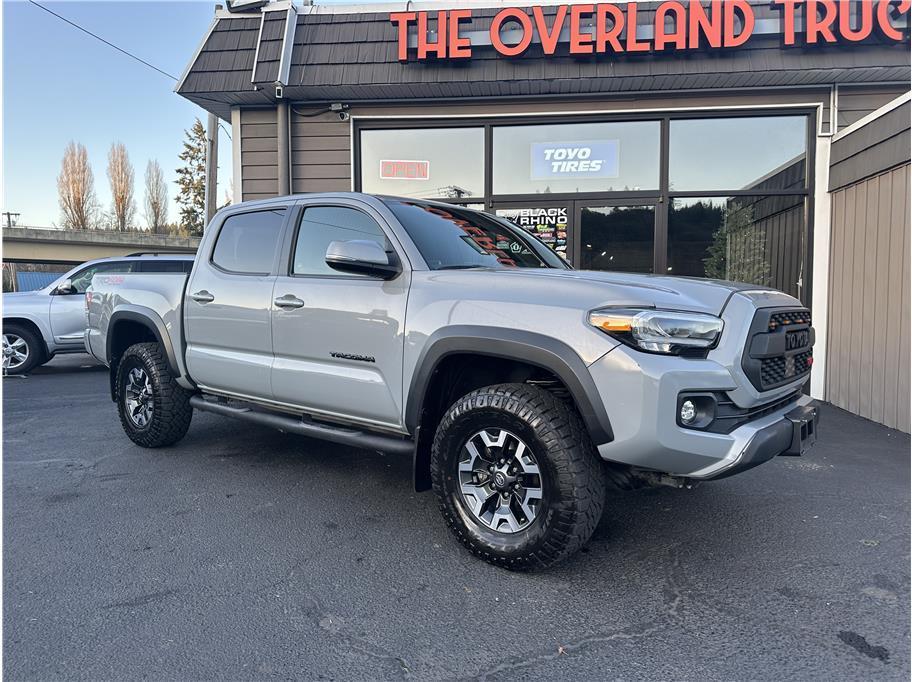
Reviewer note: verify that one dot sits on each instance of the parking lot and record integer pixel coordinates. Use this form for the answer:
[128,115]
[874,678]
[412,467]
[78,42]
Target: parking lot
[244,553]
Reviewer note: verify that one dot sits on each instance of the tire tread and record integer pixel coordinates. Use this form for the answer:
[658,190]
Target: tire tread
[172,411]
[580,472]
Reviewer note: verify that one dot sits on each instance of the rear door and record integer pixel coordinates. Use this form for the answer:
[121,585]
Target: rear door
[68,317]
[228,303]
[338,337]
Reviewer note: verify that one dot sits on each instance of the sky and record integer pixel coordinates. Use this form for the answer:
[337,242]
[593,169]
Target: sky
[60,85]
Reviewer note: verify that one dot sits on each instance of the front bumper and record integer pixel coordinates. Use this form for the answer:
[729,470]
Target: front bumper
[640,392]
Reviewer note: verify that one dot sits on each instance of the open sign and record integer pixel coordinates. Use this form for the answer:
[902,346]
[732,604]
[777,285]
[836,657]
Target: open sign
[404,170]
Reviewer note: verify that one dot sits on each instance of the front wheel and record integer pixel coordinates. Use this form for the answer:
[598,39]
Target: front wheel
[22,350]
[154,410]
[517,477]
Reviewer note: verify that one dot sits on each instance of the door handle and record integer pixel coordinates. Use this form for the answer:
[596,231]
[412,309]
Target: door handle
[289,301]
[202,297]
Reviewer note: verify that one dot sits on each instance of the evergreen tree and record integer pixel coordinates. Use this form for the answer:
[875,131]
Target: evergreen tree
[191,180]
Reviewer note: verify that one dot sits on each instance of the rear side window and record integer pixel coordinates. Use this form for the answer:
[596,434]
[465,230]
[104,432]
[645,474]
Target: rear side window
[247,242]
[82,280]
[321,225]
[165,265]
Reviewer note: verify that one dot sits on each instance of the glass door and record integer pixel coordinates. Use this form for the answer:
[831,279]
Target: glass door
[550,222]
[615,235]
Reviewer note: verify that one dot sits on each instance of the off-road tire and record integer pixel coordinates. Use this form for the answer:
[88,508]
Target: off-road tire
[171,410]
[36,353]
[573,477]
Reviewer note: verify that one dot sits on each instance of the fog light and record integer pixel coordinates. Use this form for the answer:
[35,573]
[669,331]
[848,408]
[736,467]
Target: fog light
[688,412]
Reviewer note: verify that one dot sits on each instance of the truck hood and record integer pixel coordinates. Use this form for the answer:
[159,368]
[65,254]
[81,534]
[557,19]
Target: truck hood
[588,289]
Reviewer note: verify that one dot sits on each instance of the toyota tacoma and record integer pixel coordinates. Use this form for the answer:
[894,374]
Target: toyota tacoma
[521,388]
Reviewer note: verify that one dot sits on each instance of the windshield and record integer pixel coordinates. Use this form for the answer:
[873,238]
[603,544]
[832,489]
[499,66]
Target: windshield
[451,237]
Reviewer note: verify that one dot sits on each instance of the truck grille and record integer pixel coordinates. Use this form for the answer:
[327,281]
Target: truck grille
[784,319]
[775,371]
[778,348]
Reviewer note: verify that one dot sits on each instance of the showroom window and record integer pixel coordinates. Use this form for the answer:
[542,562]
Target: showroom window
[733,153]
[756,239]
[576,157]
[715,195]
[424,163]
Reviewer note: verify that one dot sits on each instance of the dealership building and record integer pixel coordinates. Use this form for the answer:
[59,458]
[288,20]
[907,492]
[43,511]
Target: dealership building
[758,141]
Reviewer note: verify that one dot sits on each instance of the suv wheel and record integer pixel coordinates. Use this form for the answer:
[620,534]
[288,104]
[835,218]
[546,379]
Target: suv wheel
[22,350]
[516,476]
[154,410]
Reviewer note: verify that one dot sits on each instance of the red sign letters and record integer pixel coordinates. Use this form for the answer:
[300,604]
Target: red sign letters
[404,170]
[677,25]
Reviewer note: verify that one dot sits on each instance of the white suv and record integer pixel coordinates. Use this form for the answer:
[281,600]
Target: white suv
[39,324]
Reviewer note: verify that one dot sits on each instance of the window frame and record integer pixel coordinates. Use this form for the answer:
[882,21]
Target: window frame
[258,209]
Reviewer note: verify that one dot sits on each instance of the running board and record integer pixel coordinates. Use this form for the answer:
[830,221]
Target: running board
[298,425]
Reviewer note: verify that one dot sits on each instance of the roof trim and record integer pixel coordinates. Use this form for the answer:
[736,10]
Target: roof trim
[256,53]
[199,49]
[435,5]
[874,115]
[291,24]
[223,13]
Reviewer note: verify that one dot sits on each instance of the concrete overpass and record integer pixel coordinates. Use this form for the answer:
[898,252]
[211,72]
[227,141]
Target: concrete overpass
[43,245]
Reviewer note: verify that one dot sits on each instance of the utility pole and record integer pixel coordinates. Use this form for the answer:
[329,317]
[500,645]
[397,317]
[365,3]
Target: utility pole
[211,167]
[11,219]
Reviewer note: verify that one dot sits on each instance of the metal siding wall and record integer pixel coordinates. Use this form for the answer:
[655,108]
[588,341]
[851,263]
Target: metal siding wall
[871,149]
[320,153]
[259,156]
[867,369]
[856,103]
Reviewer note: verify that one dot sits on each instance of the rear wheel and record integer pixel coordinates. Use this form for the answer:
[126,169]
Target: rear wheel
[517,477]
[154,410]
[22,350]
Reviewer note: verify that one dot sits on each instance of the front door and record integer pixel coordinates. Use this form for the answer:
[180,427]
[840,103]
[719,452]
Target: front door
[338,337]
[615,235]
[227,305]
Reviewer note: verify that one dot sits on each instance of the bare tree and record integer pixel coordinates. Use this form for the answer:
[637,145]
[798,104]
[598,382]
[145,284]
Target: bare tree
[76,188]
[120,175]
[156,198]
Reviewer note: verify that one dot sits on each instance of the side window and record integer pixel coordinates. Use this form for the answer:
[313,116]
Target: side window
[82,280]
[157,265]
[321,225]
[247,242]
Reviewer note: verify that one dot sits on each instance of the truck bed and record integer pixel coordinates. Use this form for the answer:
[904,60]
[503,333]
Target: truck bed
[124,297]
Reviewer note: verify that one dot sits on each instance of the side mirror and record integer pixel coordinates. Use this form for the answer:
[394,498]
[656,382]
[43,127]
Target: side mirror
[361,256]
[65,288]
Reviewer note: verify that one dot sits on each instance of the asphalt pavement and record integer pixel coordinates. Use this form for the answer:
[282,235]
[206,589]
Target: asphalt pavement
[244,553]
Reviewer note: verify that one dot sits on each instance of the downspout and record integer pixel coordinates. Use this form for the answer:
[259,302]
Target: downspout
[283,146]
[283,114]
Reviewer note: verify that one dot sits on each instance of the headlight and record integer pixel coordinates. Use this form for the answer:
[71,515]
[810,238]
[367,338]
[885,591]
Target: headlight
[659,331]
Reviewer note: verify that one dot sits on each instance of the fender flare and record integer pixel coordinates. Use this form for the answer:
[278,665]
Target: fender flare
[151,321]
[44,331]
[515,344]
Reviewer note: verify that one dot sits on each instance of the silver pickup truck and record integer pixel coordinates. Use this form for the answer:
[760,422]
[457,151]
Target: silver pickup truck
[521,387]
